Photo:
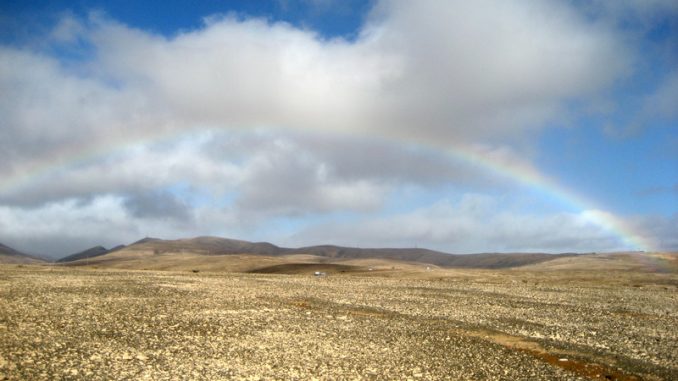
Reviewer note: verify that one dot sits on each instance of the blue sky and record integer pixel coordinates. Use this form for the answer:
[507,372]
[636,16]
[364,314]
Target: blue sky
[458,126]
[330,19]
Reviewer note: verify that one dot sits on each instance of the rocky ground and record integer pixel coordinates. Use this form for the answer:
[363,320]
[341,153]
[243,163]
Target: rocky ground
[58,323]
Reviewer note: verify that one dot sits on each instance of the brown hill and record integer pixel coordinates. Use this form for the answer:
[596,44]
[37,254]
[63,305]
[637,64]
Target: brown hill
[483,261]
[10,255]
[206,246]
[629,261]
[154,253]
[89,253]
[200,254]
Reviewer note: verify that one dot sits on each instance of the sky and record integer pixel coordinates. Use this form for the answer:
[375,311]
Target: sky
[460,126]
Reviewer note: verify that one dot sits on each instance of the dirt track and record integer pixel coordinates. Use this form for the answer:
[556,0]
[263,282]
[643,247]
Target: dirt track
[95,324]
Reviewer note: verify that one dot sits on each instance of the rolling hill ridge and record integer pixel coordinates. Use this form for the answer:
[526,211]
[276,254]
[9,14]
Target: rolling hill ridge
[89,253]
[153,249]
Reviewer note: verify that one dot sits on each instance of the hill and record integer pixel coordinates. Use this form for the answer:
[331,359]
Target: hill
[625,261]
[483,261]
[202,246]
[10,255]
[89,253]
[221,253]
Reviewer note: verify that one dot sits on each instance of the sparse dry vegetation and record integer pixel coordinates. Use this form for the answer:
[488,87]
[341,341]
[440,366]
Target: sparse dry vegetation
[84,323]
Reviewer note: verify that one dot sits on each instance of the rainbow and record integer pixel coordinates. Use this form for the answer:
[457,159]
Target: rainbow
[44,167]
[520,173]
[530,177]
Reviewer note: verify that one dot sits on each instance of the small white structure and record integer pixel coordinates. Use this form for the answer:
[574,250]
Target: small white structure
[320,273]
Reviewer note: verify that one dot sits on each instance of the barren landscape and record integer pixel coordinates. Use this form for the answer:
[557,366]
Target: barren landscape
[551,320]
[339,190]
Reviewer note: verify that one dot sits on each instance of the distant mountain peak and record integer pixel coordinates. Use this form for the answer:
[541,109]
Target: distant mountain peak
[10,255]
[95,251]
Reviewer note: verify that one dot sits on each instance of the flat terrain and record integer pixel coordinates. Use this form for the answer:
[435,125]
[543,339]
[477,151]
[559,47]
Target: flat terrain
[101,324]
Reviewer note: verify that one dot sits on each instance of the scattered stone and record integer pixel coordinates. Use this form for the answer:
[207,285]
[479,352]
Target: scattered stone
[466,325]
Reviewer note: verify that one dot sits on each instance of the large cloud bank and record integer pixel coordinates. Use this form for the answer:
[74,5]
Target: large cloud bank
[223,128]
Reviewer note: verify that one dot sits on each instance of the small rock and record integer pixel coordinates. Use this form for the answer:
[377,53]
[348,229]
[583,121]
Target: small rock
[563,360]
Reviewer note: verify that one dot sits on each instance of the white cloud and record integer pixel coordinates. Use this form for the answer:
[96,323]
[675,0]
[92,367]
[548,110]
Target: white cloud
[131,168]
[68,29]
[434,70]
[435,74]
[60,228]
[479,223]
[263,175]
[284,177]
[67,226]
[49,112]
[428,71]
[663,101]
[475,223]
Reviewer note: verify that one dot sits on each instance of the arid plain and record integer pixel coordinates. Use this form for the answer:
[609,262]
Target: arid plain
[574,318]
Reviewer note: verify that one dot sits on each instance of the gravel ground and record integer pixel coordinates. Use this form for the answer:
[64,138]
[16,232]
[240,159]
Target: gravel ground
[58,323]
